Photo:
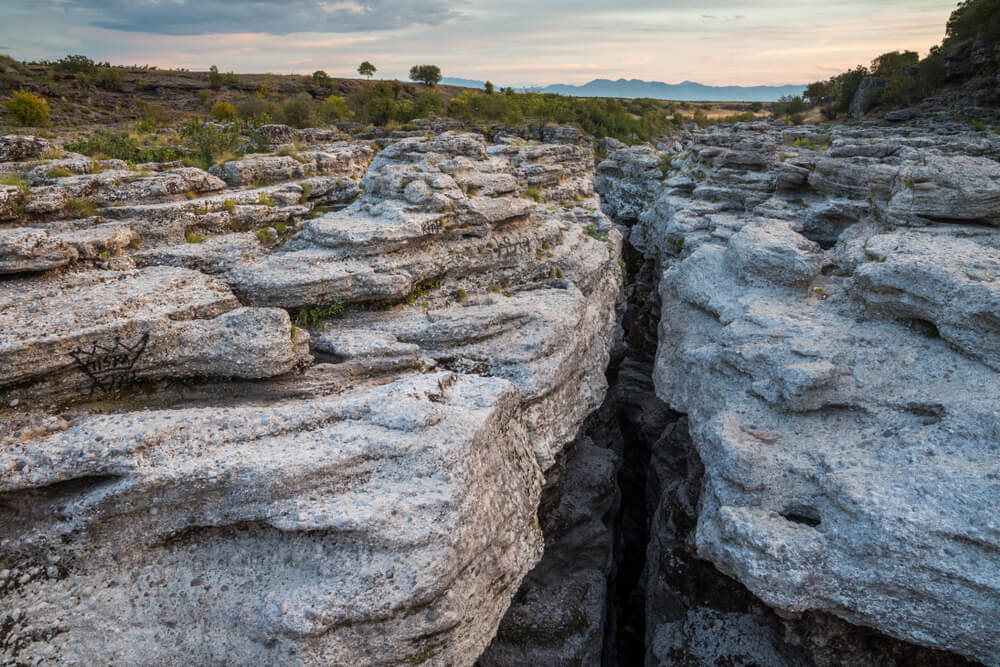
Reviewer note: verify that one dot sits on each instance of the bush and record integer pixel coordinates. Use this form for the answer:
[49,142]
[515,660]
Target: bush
[28,108]
[258,111]
[321,78]
[892,64]
[788,105]
[299,110]
[81,208]
[103,143]
[146,125]
[109,79]
[214,78]
[429,75]
[206,141]
[333,109]
[76,64]
[223,111]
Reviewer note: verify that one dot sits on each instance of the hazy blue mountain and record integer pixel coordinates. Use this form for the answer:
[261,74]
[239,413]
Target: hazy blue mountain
[468,83]
[686,91]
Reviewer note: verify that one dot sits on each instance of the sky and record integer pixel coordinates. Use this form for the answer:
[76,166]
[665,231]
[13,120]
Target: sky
[511,42]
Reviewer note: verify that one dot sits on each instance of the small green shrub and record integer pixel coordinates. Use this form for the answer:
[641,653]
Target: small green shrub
[314,316]
[223,111]
[533,193]
[204,95]
[75,64]
[28,108]
[109,79]
[206,142]
[666,163]
[420,290]
[14,179]
[333,109]
[229,205]
[299,110]
[146,125]
[58,172]
[264,235]
[81,208]
[592,231]
[193,237]
[263,199]
[214,78]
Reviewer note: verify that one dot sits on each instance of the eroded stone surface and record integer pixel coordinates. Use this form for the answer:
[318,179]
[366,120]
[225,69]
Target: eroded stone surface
[831,334]
[222,404]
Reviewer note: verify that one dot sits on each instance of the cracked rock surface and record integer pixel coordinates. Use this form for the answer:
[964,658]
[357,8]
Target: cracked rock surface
[829,325]
[296,411]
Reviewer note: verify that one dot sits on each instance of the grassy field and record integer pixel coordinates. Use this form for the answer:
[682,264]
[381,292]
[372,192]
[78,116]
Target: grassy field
[116,98]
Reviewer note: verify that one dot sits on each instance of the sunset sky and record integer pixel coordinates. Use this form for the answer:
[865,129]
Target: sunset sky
[512,42]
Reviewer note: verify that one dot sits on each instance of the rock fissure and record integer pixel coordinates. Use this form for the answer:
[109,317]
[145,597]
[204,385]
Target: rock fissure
[660,415]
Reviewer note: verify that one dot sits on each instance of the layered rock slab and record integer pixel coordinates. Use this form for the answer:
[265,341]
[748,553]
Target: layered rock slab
[377,506]
[392,534]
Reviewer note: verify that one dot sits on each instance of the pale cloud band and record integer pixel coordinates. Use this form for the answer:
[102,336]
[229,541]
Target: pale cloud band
[509,41]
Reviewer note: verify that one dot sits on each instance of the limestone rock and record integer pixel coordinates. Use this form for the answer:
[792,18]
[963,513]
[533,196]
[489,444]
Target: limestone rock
[841,396]
[15,147]
[25,249]
[331,424]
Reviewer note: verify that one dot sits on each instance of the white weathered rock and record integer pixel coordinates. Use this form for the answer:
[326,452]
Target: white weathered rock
[357,489]
[850,455]
[24,249]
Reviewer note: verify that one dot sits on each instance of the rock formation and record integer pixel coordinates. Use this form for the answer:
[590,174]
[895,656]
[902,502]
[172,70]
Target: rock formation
[830,320]
[387,402]
[241,427]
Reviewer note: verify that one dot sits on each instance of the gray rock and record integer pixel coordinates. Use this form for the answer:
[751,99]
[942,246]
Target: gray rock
[25,249]
[867,94]
[15,147]
[832,421]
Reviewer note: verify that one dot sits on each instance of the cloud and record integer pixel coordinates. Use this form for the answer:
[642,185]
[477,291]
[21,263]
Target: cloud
[511,42]
[200,17]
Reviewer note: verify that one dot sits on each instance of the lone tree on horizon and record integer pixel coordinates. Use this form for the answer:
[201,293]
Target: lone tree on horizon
[366,69]
[429,75]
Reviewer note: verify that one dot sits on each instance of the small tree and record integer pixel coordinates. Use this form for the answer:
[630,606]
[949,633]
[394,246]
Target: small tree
[28,108]
[322,78]
[214,78]
[489,87]
[366,69]
[223,111]
[429,75]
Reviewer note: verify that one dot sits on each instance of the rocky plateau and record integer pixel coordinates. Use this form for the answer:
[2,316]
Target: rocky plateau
[454,397]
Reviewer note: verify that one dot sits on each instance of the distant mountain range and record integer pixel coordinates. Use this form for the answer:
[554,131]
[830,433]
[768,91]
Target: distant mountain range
[687,91]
